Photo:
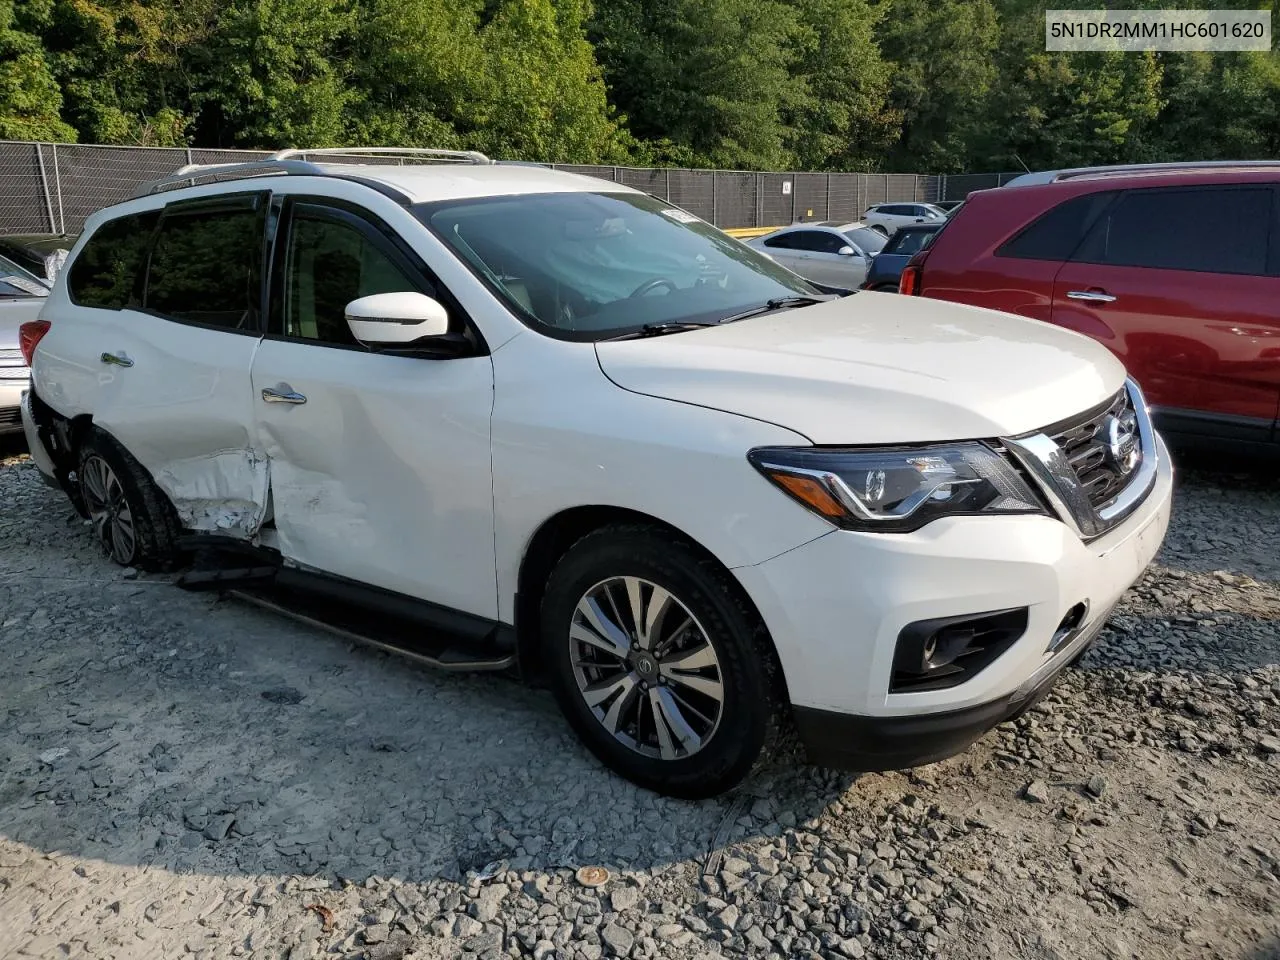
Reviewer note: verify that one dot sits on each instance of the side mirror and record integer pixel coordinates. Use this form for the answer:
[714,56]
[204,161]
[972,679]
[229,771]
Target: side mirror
[396,319]
[846,251]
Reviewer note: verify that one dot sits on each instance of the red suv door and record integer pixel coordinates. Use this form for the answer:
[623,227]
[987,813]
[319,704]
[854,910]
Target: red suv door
[1182,284]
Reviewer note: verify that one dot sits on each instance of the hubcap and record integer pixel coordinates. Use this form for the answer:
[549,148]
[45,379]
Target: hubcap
[646,668]
[108,509]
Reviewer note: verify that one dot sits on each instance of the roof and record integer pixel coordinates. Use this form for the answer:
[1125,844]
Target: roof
[1144,169]
[449,181]
[420,174]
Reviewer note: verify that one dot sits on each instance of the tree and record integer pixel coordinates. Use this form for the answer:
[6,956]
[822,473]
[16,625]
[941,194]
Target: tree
[1219,106]
[845,121]
[704,81]
[275,76]
[30,101]
[943,57]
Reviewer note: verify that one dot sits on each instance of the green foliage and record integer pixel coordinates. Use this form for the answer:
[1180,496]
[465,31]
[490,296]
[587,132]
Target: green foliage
[30,101]
[916,85]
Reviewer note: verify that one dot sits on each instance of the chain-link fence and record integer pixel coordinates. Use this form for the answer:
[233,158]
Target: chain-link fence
[54,187]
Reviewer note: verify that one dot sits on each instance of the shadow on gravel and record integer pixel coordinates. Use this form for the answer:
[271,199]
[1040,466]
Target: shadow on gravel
[144,725]
[1266,951]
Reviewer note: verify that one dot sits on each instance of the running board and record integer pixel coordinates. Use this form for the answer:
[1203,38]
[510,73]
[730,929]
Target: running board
[447,659]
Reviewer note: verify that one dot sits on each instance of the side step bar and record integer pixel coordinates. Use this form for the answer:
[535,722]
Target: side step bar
[437,636]
[447,659]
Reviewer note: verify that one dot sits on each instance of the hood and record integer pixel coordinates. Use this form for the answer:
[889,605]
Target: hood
[876,368]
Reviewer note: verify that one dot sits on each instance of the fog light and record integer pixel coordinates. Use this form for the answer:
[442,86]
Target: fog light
[944,652]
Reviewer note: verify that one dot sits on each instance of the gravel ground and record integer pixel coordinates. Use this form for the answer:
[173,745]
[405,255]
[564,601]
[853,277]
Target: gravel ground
[181,773]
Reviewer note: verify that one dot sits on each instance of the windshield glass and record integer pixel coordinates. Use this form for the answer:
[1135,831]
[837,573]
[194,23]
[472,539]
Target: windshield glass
[591,265]
[866,239]
[907,242]
[17,282]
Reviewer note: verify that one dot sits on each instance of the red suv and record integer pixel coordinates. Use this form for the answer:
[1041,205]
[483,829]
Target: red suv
[1175,268]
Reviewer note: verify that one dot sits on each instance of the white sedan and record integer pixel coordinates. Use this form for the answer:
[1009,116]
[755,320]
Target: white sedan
[888,217]
[833,255]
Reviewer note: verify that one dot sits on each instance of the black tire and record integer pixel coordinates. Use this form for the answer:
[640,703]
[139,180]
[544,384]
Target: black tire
[153,520]
[880,229]
[747,669]
[885,288]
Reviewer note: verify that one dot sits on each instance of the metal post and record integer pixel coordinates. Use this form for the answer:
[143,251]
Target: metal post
[828,216]
[615,175]
[44,182]
[794,192]
[57,188]
[190,157]
[668,196]
[715,220]
[759,200]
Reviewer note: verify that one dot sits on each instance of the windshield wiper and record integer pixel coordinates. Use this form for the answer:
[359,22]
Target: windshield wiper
[667,326]
[777,303]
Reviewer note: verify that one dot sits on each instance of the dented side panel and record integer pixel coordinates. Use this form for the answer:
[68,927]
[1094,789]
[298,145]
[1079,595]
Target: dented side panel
[225,493]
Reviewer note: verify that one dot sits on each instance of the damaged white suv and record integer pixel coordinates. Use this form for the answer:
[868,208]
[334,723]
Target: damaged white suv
[538,421]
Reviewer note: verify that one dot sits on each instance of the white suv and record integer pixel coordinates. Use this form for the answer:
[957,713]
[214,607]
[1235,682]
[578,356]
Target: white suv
[888,217]
[591,437]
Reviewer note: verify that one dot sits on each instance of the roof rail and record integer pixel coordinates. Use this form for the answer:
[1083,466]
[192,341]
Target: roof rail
[291,162]
[404,153]
[1053,176]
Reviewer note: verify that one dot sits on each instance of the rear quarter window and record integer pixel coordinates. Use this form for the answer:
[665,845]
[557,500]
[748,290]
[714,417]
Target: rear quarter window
[1055,235]
[105,274]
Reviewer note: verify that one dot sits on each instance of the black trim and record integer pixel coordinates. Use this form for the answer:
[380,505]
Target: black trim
[1219,426]
[873,744]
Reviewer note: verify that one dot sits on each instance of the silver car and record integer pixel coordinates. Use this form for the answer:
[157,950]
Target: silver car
[22,294]
[833,254]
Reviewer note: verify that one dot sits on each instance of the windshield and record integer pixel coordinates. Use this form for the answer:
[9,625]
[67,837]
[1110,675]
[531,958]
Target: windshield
[586,266]
[907,242]
[866,239]
[17,282]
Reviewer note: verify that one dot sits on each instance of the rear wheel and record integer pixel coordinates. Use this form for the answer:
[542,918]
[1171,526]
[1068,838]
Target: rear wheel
[658,662]
[880,229]
[131,518]
[886,287]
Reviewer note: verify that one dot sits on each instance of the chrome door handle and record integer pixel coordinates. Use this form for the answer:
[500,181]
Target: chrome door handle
[282,394]
[1091,296]
[118,359]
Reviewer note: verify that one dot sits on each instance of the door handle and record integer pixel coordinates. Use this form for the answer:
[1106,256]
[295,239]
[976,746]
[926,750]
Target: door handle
[118,359]
[282,393]
[1091,296]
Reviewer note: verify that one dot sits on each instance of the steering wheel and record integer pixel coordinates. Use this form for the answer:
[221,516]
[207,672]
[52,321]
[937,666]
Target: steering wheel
[654,284]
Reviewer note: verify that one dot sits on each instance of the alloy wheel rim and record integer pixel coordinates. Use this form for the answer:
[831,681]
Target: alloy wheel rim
[109,511]
[645,668]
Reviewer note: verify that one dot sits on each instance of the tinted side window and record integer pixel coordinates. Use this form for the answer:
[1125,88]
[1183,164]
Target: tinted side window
[206,266]
[330,263]
[1208,229]
[105,273]
[782,241]
[1056,234]
[816,241]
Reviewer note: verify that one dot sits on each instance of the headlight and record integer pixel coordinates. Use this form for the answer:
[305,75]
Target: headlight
[896,489]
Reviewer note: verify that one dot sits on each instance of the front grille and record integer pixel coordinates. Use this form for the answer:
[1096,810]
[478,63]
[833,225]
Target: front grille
[1087,444]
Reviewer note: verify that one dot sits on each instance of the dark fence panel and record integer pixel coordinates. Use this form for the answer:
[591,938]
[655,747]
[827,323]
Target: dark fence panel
[53,188]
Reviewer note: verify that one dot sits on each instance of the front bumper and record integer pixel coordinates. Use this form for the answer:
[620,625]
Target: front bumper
[836,606]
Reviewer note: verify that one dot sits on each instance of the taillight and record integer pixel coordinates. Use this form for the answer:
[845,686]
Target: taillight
[912,274]
[909,282]
[29,335]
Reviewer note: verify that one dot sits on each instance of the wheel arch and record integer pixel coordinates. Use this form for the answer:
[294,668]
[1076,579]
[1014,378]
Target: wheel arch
[554,538]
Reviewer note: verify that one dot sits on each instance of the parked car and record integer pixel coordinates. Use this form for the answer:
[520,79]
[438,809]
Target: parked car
[886,268]
[583,434]
[37,253]
[888,217]
[1106,252]
[834,255]
[947,206]
[22,294]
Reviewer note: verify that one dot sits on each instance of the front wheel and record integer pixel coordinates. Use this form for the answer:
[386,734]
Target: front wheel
[658,661]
